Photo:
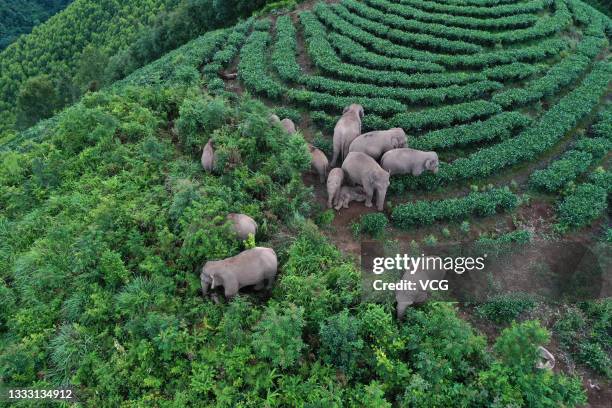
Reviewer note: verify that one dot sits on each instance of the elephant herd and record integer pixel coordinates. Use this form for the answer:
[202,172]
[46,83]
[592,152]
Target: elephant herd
[368,160]
[360,170]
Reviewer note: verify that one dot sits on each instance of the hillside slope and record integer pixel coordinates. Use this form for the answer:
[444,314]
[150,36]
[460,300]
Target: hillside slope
[18,17]
[55,47]
[108,216]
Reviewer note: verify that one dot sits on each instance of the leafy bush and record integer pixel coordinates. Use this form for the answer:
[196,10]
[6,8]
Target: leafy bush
[373,224]
[582,206]
[428,212]
[504,308]
[278,336]
[583,331]
[341,343]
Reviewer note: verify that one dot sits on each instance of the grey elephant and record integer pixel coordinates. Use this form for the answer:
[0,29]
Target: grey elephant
[349,194]
[209,158]
[288,125]
[242,225]
[546,360]
[347,129]
[407,297]
[359,168]
[377,143]
[409,161]
[257,266]
[334,184]
[274,119]
[318,162]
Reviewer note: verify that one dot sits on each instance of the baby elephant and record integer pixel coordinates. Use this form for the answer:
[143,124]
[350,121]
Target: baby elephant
[289,126]
[409,161]
[318,162]
[242,225]
[375,144]
[251,267]
[208,157]
[348,194]
[362,169]
[334,184]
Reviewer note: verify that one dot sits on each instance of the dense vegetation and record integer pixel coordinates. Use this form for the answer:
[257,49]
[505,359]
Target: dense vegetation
[92,44]
[107,217]
[18,17]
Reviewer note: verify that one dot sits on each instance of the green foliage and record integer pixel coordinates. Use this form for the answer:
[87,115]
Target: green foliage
[582,206]
[198,119]
[55,47]
[502,309]
[278,336]
[583,331]
[517,381]
[373,224]
[341,343]
[561,171]
[18,17]
[37,100]
[476,203]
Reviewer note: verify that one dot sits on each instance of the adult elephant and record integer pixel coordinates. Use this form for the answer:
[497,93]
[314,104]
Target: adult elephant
[379,142]
[347,129]
[409,161]
[360,168]
[257,266]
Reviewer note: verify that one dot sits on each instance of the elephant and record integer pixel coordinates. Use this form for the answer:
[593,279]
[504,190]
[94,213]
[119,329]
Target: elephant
[348,194]
[288,125]
[254,266]
[546,360]
[377,143]
[318,162]
[346,130]
[274,119]
[242,225]
[409,161]
[407,297]
[362,169]
[334,185]
[209,159]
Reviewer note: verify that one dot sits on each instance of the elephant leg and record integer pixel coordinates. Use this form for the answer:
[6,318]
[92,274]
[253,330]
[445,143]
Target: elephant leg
[259,286]
[401,309]
[322,176]
[270,283]
[335,155]
[369,191]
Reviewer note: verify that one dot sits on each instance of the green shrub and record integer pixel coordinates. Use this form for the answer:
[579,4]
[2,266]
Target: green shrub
[373,224]
[476,203]
[582,206]
[198,118]
[502,309]
[278,336]
[341,342]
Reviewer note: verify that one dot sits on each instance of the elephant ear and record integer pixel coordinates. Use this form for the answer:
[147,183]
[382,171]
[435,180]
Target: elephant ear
[429,164]
[361,112]
[346,109]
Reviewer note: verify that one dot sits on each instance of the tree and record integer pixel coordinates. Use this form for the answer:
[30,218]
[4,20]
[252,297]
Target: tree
[37,100]
[90,69]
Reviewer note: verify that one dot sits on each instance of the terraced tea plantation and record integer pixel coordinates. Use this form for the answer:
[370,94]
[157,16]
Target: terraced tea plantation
[500,89]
